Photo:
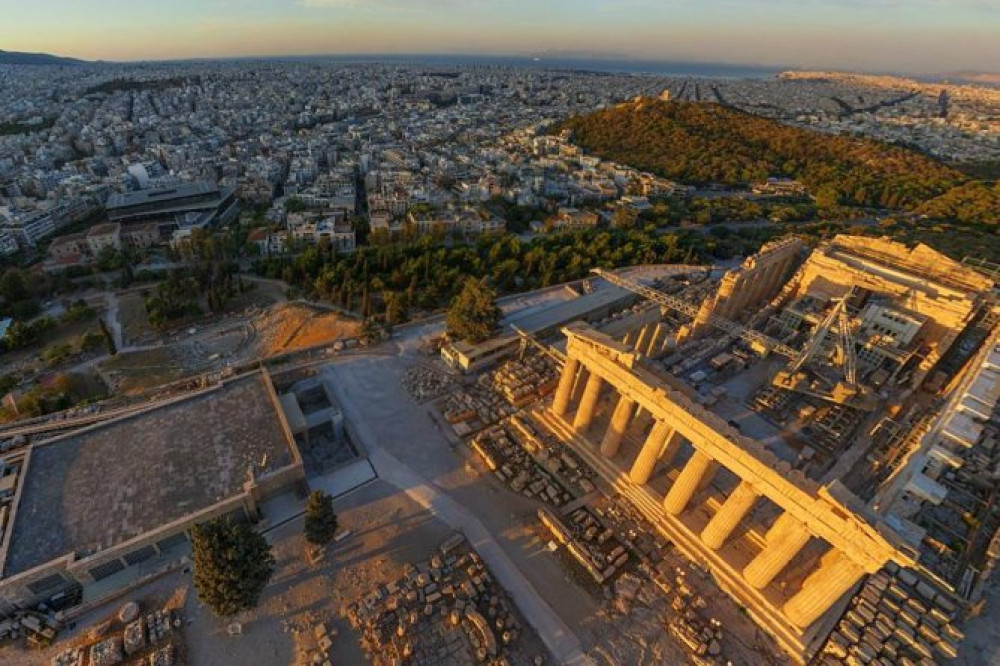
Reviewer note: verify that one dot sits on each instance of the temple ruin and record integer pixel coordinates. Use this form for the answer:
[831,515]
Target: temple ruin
[751,427]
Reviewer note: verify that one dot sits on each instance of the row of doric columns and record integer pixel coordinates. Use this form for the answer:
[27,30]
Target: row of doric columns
[649,340]
[785,539]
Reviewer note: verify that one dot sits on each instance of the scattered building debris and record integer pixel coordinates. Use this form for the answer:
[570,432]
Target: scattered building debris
[521,381]
[425,384]
[517,457]
[900,617]
[444,611]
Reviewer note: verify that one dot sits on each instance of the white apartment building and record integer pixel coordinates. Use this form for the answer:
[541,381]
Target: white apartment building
[8,243]
[30,228]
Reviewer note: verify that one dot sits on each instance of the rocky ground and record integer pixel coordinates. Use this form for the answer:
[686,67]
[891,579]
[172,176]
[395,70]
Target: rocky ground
[288,327]
[388,531]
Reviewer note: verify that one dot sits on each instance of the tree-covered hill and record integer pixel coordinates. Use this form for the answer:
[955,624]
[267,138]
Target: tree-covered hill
[971,202]
[697,143]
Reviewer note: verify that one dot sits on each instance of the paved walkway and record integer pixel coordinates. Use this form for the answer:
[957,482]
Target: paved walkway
[557,636]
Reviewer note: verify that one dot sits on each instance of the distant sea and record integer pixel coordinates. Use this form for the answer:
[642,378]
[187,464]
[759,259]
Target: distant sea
[603,65]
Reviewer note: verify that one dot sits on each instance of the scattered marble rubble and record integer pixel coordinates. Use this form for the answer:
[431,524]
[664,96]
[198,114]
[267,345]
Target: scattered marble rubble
[446,611]
[515,467]
[522,381]
[516,455]
[647,573]
[475,407]
[108,652]
[139,635]
[593,545]
[897,617]
[165,656]
[497,395]
[556,457]
[134,637]
[632,529]
[323,636]
[425,384]
[40,628]
[71,657]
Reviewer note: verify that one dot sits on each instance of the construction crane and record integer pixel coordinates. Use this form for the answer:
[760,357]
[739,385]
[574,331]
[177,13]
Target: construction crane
[850,357]
[842,392]
[528,339]
[847,392]
[815,343]
[755,338]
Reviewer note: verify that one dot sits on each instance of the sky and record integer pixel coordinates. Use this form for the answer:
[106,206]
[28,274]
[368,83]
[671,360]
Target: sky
[915,36]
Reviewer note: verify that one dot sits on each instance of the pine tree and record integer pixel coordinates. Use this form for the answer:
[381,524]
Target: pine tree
[395,310]
[366,302]
[320,520]
[370,332]
[474,314]
[232,565]
[108,339]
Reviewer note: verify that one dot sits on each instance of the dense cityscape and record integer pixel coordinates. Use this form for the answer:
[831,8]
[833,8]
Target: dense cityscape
[490,363]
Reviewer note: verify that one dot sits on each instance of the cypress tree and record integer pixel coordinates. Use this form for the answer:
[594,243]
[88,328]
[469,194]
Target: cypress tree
[320,520]
[232,565]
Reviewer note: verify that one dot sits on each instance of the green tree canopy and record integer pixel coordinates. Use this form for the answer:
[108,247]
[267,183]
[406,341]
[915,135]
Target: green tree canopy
[320,520]
[232,565]
[474,314]
[700,143]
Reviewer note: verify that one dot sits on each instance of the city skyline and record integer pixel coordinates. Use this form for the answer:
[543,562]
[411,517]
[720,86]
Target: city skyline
[928,36]
[486,332]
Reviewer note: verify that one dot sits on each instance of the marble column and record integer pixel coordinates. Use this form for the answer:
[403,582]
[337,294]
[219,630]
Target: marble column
[662,444]
[645,462]
[687,483]
[588,403]
[616,429]
[560,404]
[737,505]
[835,576]
[783,542]
[643,340]
[652,348]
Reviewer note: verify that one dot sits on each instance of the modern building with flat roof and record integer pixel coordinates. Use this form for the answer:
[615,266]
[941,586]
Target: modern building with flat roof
[189,205]
[537,322]
[87,505]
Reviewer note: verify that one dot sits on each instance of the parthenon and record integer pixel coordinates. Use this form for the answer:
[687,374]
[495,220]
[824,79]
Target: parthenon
[692,445]
[752,429]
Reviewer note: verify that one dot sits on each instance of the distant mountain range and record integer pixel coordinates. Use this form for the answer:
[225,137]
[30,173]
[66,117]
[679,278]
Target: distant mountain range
[987,78]
[18,58]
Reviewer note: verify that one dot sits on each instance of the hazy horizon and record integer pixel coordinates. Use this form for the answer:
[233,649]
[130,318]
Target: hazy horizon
[922,36]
